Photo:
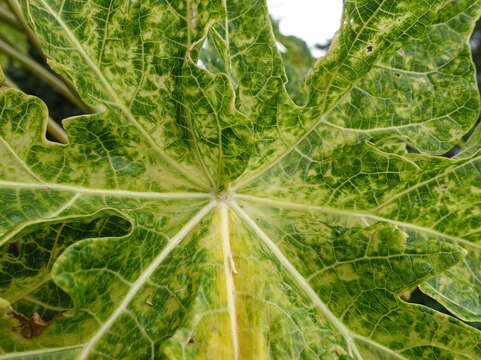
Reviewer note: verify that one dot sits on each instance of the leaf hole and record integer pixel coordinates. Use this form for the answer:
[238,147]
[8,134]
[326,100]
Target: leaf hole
[14,249]
[452,152]
[313,22]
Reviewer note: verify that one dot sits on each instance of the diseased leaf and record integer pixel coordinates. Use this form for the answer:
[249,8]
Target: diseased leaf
[204,214]
[30,258]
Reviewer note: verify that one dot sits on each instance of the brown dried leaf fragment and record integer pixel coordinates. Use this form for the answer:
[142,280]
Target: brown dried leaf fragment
[32,327]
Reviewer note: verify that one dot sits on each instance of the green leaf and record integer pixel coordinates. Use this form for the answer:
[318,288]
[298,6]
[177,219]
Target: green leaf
[203,214]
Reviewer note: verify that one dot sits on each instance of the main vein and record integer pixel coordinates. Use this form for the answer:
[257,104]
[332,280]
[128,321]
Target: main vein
[107,192]
[227,252]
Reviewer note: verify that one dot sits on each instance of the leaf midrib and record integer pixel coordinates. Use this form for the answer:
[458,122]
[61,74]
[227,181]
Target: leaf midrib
[77,192]
[107,192]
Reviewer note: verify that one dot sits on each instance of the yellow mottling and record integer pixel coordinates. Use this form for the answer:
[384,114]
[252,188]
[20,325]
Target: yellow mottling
[475,190]
[346,273]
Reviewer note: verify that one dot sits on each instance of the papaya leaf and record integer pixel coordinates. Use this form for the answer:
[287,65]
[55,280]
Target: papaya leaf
[203,214]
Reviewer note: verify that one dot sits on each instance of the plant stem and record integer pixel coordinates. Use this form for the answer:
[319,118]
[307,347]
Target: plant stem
[17,11]
[67,89]
[42,73]
[54,130]
[17,46]
[9,19]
